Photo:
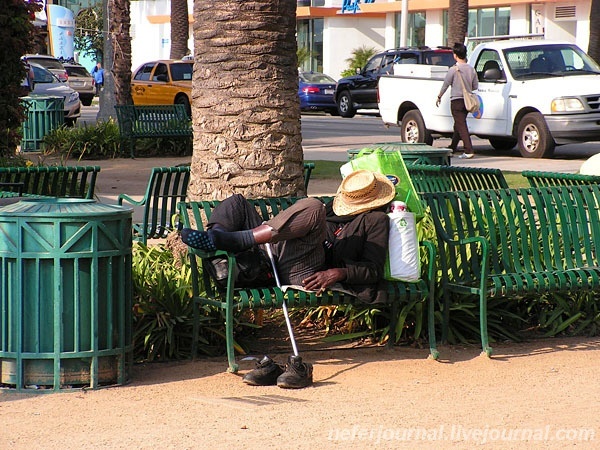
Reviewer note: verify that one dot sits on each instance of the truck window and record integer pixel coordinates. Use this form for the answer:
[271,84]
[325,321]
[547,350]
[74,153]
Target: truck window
[548,60]
[489,59]
[373,65]
[387,66]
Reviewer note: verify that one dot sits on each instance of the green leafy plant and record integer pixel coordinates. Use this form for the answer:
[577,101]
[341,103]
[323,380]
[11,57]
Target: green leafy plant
[162,306]
[304,55]
[98,141]
[359,58]
[17,35]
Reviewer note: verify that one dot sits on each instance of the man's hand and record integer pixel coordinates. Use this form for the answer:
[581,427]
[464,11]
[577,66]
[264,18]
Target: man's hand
[319,281]
[438,101]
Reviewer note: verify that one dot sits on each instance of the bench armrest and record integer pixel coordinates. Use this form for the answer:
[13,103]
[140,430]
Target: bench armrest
[128,199]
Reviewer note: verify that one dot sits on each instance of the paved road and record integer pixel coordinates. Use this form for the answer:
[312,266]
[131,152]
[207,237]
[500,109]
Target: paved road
[328,138]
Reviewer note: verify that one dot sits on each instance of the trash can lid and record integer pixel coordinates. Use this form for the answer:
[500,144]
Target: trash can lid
[63,207]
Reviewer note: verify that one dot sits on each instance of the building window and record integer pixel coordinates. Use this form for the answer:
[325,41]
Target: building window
[310,42]
[415,36]
[489,22]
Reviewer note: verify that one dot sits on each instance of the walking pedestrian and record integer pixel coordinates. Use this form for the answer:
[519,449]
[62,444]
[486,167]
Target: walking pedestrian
[457,102]
[98,74]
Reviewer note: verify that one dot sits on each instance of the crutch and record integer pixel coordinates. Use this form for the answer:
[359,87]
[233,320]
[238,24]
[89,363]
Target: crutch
[285,310]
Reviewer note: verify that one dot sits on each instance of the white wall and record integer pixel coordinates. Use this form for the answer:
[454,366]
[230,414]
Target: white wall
[152,41]
[341,35]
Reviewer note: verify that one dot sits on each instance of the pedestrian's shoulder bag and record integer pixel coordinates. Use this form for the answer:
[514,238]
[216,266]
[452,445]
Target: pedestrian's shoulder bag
[471,99]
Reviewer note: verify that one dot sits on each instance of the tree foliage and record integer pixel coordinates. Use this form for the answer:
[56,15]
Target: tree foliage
[89,36]
[17,36]
[358,60]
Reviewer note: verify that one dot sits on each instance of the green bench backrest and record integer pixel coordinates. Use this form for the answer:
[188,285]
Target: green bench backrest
[537,178]
[437,178]
[166,188]
[146,120]
[529,229]
[53,181]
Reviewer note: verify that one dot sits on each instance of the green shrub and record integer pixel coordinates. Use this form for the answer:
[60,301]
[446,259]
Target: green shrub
[98,141]
[102,141]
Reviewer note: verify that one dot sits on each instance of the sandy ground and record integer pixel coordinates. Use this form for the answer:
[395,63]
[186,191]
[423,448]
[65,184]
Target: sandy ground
[541,394]
[538,394]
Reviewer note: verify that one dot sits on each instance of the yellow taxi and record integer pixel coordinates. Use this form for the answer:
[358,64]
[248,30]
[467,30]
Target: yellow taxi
[163,82]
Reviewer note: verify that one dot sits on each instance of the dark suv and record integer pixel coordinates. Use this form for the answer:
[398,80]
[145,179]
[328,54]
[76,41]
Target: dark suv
[360,91]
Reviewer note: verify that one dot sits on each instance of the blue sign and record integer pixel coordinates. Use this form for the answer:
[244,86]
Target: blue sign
[61,31]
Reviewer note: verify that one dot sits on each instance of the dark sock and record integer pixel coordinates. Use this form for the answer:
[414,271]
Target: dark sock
[198,239]
[211,240]
[232,241]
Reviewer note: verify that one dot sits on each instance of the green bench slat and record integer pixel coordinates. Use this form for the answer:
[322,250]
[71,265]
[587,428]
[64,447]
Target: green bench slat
[51,181]
[151,121]
[509,242]
[540,178]
[197,214]
[167,187]
[440,178]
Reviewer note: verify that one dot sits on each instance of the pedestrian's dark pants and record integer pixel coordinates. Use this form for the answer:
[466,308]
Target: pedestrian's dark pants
[299,233]
[461,131]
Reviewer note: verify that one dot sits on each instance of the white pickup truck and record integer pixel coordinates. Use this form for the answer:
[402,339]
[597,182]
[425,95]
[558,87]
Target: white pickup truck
[537,94]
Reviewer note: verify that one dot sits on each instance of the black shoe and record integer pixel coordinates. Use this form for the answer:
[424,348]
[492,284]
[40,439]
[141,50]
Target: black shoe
[297,374]
[265,373]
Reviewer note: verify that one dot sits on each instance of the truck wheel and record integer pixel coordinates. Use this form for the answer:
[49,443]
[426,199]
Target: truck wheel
[503,143]
[535,140]
[413,129]
[344,104]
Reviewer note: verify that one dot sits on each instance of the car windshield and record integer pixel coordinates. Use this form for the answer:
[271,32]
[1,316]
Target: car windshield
[182,71]
[316,77]
[549,60]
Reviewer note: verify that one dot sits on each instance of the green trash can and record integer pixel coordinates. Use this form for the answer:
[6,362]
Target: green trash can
[44,114]
[411,153]
[65,295]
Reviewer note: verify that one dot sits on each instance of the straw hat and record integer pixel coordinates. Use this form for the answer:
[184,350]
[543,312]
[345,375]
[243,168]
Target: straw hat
[362,191]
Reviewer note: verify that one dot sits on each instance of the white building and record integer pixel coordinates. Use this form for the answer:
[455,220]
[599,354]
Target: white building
[332,34]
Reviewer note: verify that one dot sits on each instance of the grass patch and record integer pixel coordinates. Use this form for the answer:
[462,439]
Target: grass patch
[326,170]
[330,170]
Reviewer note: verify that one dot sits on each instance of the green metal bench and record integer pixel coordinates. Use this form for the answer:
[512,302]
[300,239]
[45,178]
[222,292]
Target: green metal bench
[537,178]
[197,214]
[436,178]
[512,242]
[167,187]
[50,181]
[152,121]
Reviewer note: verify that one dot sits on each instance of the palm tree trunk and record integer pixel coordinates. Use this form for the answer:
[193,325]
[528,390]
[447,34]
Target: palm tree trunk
[594,45]
[246,111]
[120,71]
[179,29]
[458,21]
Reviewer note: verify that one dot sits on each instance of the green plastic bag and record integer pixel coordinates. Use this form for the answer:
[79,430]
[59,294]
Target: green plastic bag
[390,164]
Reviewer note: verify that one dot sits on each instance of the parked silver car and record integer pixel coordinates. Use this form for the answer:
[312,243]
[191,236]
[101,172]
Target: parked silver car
[46,83]
[81,80]
[49,62]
